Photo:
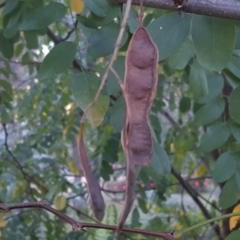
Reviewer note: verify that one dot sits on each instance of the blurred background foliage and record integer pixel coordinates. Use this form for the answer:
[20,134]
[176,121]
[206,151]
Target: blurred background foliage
[52,57]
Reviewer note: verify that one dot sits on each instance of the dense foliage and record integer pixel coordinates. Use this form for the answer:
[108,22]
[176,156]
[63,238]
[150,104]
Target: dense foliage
[51,64]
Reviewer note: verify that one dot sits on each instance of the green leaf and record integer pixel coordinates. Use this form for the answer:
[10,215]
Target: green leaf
[31,38]
[233,66]
[229,194]
[98,7]
[234,235]
[6,86]
[106,170]
[13,22]
[234,107]
[94,21]
[6,46]
[6,97]
[135,217]
[10,5]
[198,80]
[185,104]
[215,85]
[237,45]
[110,151]
[42,17]
[237,174]
[213,48]
[58,60]
[102,41]
[225,167]
[133,22]
[160,161]
[215,136]
[19,48]
[169,32]
[182,56]
[156,126]
[84,87]
[117,112]
[235,130]
[209,112]
[143,205]
[4,115]
[232,80]
[112,83]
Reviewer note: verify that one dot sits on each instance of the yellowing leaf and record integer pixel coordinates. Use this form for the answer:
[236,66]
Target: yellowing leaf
[2,222]
[77,6]
[84,87]
[172,148]
[63,154]
[200,171]
[60,202]
[179,154]
[19,190]
[178,226]
[95,114]
[72,167]
[178,236]
[233,221]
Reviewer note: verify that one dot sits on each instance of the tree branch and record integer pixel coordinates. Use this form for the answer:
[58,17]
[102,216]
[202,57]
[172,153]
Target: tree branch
[78,226]
[193,194]
[56,41]
[229,9]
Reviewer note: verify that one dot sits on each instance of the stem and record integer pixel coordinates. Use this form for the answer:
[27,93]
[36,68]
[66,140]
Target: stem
[207,222]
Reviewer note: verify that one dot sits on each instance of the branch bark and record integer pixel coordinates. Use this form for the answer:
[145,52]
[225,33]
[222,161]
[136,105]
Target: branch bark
[78,226]
[229,9]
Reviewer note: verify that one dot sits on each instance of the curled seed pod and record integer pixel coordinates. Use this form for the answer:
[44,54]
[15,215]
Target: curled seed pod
[96,199]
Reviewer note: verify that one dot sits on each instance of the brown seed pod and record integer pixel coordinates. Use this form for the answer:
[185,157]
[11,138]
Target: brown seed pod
[96,199]
[139,88]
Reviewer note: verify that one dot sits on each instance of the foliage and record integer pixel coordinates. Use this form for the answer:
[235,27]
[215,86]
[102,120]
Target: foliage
[52,62]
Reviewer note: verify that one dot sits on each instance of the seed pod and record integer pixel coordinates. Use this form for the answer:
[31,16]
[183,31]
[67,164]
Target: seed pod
[96,199]
[139,88]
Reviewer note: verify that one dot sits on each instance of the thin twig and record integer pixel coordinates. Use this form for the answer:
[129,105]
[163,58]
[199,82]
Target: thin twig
[79,226]
[81,213]
[28,178]
[116,76]
[171,120]
[112,60]
[193,194]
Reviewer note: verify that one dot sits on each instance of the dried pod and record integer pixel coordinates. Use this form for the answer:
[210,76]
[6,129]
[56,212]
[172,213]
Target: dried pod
[96,199]
[139,88]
